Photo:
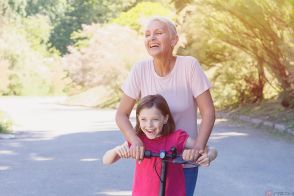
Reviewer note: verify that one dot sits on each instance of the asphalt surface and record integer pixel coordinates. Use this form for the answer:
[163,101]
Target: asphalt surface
[57,151]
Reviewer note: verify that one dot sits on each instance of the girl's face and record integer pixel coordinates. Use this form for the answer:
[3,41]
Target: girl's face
[151,122]
[157,38]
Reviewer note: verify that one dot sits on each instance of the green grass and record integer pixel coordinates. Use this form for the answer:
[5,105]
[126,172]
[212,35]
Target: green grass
[5,124]
[270,110]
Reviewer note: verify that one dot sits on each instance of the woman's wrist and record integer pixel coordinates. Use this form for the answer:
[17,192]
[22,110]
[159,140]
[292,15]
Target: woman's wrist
[131,136]
[199,148]
[134,139]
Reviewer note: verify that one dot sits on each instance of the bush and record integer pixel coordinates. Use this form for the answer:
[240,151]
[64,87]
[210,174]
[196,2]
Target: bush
[5,124]
[102,58]
[23,70]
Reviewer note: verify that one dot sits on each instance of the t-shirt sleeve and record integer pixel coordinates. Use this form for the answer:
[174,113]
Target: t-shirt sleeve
[199,81]
[131,86]
[181,138]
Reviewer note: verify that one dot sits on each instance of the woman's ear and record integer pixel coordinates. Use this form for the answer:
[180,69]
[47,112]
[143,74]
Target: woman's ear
[174,41]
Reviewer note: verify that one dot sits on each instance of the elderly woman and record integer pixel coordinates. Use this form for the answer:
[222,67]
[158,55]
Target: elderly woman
[180,80]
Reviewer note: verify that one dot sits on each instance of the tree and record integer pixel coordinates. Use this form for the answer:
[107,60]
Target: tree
[102,57]
[79,12]
[260,29]
[134,16]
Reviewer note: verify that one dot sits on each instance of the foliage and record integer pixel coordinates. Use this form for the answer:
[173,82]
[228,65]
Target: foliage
[5,123]
[134,17]
[105,60]
[245,46]
[265,25]
[54,9]
[63,16]
[37,30]
[23,70]
[80,12]
[13,8]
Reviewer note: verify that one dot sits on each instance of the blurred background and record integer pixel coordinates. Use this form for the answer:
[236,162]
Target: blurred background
[59,55]
[84,49]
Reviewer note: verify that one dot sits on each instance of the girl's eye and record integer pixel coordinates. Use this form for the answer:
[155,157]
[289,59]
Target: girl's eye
[143,119]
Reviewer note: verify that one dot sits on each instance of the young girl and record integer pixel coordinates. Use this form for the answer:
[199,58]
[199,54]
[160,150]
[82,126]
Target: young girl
[156,128]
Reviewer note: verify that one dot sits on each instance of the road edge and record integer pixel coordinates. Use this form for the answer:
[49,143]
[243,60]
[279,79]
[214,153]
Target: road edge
[275,127]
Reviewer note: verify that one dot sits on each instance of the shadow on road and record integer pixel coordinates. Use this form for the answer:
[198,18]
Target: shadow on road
[250,162]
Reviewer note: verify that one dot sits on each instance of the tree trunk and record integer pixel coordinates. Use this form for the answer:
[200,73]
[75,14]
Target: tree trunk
[288,93]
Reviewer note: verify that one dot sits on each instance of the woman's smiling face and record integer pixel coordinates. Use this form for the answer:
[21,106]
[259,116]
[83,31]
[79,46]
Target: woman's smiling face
[151,122]
[158,39]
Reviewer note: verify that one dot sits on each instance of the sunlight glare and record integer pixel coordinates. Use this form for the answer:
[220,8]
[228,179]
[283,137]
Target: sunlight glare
[116,193]
[7,152]
[3,168]
[223,135]
[89,159]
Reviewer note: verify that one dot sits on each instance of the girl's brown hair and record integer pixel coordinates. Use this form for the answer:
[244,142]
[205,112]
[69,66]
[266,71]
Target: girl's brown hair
[160,103]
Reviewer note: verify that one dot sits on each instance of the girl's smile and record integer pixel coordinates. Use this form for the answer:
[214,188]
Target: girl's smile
[151,122]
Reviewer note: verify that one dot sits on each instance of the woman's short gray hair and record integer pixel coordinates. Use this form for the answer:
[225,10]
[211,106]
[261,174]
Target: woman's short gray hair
[170,25]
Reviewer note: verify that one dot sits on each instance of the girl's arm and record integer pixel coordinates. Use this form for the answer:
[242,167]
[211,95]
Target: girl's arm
[114,154]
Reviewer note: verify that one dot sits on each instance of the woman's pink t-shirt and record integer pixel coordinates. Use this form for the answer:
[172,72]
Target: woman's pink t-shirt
[185,82]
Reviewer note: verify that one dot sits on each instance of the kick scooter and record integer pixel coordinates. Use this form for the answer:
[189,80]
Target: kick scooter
[165,157]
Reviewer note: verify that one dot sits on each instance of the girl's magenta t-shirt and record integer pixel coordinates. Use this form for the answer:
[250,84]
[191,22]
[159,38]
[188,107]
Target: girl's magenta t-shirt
[146,179]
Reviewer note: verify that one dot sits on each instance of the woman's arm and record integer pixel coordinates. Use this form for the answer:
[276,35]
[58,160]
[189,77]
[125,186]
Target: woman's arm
[207,111]
[189,153]
[122,120]
[114,154]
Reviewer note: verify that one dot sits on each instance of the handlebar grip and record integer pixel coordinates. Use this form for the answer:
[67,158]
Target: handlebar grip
[149,154]
[180,160]
[177,160]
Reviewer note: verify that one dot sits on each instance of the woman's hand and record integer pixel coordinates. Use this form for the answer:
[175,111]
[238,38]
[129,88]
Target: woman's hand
[204,160]
[207,156]
[137,149]
[191,154]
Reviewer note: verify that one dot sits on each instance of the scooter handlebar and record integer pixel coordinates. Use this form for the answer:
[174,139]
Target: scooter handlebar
[177,159]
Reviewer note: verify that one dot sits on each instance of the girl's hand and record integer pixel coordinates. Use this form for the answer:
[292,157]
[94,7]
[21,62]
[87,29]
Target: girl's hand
[123,151]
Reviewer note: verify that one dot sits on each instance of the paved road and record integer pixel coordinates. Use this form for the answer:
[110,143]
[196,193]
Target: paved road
[57,152]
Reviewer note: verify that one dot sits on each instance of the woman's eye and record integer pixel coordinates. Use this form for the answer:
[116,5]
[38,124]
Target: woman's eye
[158,33]
[147,35]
